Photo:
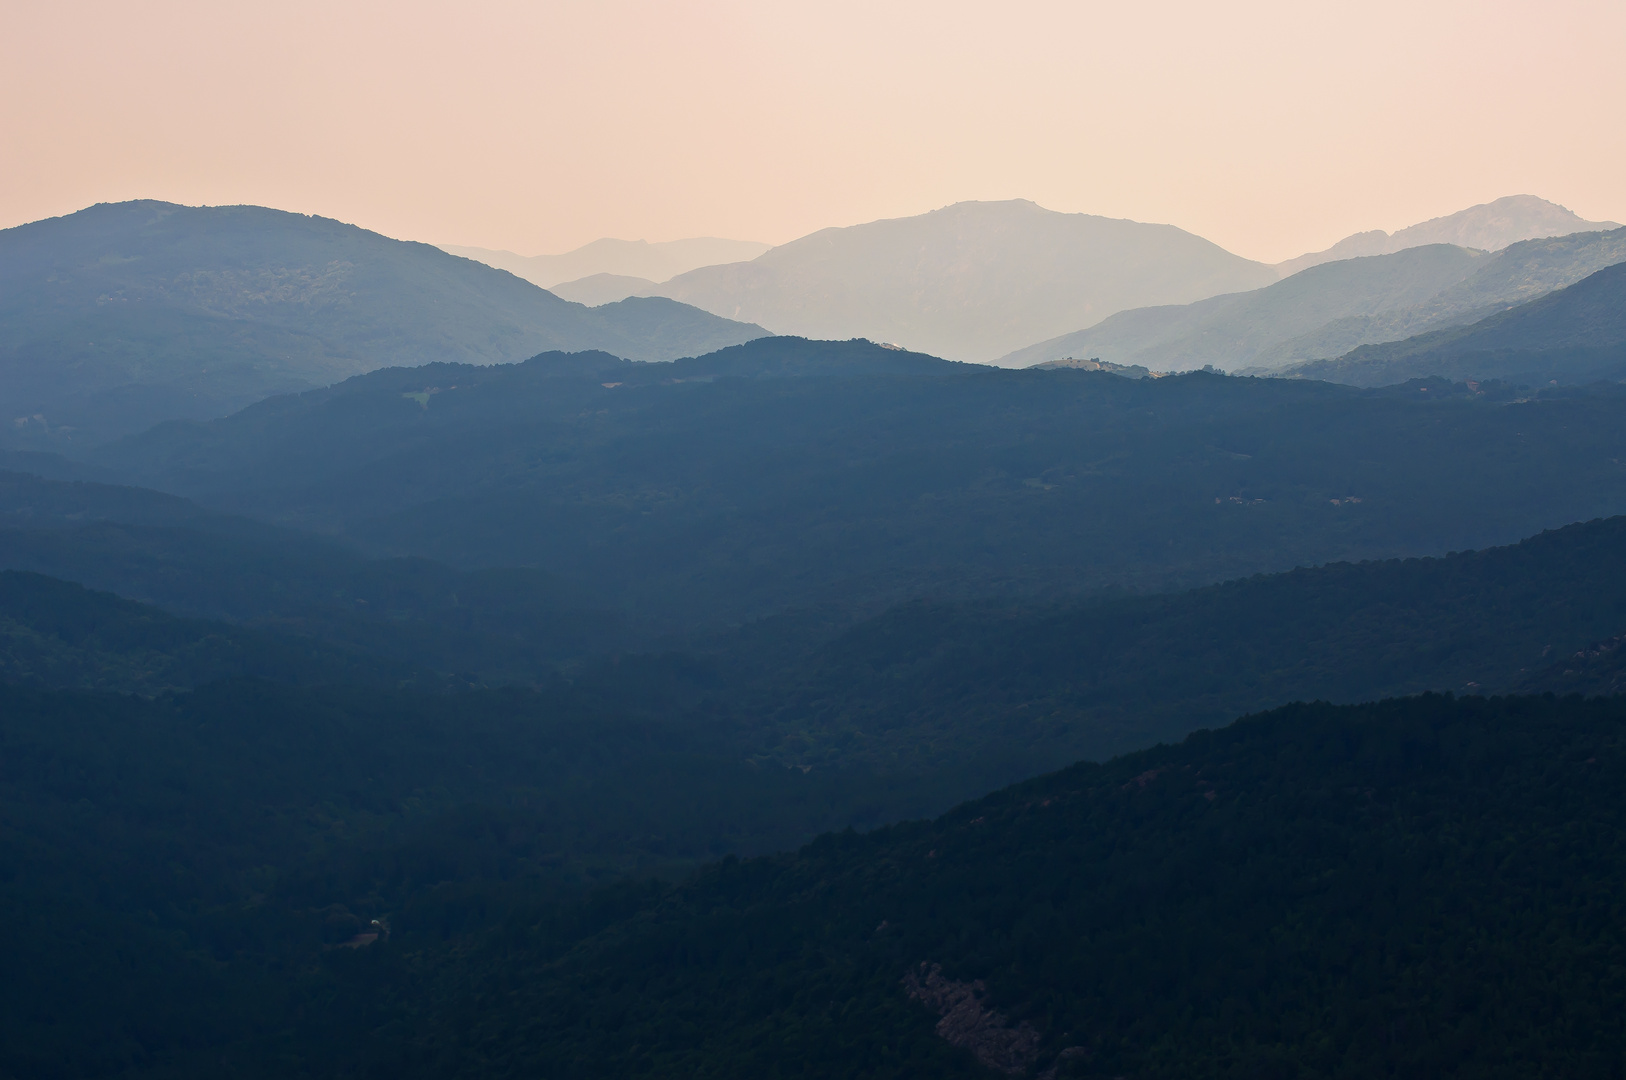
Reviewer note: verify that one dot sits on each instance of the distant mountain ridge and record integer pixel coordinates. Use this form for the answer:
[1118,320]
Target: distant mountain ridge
[787,473]
[624,258]
[1487,227]
[1329,309]
[968,282]
[596,289]
[125,314]
[1572,335]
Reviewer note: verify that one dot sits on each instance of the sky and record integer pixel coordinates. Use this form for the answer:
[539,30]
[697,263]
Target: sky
[1270,128]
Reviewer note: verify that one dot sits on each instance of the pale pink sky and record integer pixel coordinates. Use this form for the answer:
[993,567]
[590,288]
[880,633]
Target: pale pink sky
[1271,128]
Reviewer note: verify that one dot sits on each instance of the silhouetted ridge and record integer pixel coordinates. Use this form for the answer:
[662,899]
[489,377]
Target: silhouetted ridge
[1410,888]
[122,315]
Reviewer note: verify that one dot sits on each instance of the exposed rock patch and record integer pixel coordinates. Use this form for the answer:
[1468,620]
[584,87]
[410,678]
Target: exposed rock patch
[970,1024]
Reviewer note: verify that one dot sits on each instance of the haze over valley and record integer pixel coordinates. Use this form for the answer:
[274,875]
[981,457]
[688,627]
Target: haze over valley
[966,281]
[939,587]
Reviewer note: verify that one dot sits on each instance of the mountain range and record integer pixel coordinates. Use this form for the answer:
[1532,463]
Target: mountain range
[1329,309]
[1488,226]
[1572,335]
[753,712]
[963,281]
[968,282]
[785,473]
[189,876]
[638,260]
[124,314]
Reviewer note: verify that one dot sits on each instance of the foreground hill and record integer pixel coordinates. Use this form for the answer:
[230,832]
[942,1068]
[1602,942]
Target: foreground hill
[261,881]
[194,879]
[122,315]
[969,282]
[182,874]
[1487,227]
[1424,887]
[1330,309]
[1573,335]
[789,473]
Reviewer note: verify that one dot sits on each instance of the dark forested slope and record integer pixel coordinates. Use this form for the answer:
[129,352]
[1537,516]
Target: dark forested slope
[720,489]
[1419,888]
[492,625]
[990,693]
[125,314]
[181,875]
[55,633]
[275,881]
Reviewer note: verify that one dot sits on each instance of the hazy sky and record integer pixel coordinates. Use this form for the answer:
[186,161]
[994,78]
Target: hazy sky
[1270,128]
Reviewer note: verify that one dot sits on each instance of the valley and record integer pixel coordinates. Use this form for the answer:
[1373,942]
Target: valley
[485,684]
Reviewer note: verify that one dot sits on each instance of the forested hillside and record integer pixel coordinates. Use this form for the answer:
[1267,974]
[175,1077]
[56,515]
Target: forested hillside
[495,625]
[1424,887]
[975,643]
[975,693]
[303,800]
[992,692]
[280,880]
[125,314]
[736,485]
[55,633]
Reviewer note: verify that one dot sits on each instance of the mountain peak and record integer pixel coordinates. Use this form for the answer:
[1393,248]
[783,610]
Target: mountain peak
[968,281]
[1488,226]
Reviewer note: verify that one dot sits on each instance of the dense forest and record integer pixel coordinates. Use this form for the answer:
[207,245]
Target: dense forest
[785,473]
[286,882]
[1423,887]
[1019,689]
[177,869]
[195,875]
[586,717]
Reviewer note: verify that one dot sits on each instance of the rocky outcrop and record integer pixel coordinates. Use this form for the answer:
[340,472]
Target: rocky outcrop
[970,1024]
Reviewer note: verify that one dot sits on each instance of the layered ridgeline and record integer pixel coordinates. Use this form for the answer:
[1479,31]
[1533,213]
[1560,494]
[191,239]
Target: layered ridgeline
[1489,226]
[1424,887]
[254,880]
[188,877]
[971,281]
[125,314]
[1001,692]
[974,694]
[789,473]
[1573,335]
[195,878]
[1329,309]
[421,619]
[636,261]
[58,634]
